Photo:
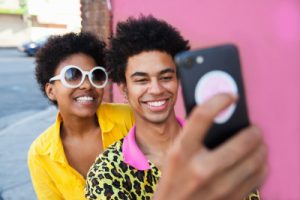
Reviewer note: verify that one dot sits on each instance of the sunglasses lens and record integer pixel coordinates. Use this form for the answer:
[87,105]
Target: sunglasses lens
[73,76]
[98,77]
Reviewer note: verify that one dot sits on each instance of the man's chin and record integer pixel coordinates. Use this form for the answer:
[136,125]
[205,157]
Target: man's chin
[157,119]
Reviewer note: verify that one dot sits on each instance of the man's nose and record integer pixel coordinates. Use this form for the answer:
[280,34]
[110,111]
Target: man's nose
[155,87]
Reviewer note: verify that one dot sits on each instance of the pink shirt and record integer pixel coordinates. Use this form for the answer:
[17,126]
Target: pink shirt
[132,154]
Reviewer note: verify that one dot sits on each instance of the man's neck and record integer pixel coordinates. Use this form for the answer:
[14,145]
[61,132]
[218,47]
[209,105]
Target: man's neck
[154,139]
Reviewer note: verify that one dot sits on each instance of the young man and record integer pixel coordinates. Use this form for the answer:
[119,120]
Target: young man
[141,61]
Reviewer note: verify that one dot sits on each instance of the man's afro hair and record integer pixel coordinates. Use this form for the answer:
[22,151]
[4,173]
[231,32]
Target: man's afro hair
[137,35]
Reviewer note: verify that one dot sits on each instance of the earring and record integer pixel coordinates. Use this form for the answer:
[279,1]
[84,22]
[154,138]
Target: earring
[125,98]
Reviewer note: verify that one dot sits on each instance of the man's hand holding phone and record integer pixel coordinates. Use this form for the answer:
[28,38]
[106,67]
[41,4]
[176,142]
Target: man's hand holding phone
[230,171]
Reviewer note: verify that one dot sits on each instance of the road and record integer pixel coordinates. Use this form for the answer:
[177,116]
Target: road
[24,114]
[20,95]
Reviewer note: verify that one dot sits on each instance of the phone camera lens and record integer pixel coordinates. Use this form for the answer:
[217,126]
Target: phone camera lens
[189,61]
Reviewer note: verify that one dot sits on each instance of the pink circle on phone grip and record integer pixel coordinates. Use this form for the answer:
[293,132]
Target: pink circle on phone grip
[212,83]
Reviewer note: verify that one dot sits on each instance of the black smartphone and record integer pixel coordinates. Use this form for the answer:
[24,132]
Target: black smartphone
[206,72]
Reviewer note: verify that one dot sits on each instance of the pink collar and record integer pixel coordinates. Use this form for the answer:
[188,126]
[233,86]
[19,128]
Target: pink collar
[132,154]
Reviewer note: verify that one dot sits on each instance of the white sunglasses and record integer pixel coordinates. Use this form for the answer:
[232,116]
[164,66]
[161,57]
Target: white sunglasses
[72,76]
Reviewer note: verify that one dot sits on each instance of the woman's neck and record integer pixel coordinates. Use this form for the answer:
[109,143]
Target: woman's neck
[78,127]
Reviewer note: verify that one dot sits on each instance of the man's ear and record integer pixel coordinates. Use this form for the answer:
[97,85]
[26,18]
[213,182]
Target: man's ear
[123,90]
[50,91]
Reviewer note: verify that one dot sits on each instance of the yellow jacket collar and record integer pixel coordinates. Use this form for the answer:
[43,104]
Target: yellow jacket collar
[104,120]
[57,150]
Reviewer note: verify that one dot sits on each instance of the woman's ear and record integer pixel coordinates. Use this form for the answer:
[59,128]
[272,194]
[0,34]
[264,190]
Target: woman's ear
[50,91]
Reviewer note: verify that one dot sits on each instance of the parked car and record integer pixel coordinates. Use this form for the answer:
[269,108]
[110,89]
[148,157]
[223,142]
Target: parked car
[31,47]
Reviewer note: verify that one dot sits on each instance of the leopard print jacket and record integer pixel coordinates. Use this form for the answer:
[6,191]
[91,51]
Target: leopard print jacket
[110,178]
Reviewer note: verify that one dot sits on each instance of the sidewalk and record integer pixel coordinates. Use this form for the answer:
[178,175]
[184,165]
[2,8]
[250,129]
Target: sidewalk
[15,140]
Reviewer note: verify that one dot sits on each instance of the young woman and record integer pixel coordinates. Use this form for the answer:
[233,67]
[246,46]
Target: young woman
[70,72]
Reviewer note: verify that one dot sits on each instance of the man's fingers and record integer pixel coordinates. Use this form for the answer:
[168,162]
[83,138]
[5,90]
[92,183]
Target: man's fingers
[243,171]
[235,177]
[237,148]
[234,159]
[249,187]
[201,120]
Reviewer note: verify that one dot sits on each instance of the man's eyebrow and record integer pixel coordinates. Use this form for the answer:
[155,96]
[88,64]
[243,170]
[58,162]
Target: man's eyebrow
[138,74]
[168,70]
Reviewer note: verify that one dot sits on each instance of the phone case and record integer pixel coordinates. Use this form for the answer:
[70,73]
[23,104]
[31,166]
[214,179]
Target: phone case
[205,72]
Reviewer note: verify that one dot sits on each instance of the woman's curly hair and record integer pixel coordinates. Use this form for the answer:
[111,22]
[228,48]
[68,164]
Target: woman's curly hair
[134,36]
[58,48]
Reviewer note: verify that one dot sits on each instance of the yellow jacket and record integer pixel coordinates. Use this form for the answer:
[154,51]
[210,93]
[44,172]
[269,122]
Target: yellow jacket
[52,177]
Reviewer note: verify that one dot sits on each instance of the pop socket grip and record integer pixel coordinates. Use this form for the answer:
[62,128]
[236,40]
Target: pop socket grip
[212,83]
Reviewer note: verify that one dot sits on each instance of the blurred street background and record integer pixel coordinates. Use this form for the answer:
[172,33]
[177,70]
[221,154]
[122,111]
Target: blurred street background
[24,114]
[20,95]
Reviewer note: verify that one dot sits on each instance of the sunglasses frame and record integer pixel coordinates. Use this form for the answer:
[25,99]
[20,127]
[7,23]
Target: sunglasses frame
[61,76]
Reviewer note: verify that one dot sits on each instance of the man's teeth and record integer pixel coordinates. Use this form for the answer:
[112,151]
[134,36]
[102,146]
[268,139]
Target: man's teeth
[85,98]
[156,103]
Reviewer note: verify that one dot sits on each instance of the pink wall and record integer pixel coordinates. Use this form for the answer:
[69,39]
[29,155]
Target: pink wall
[268,34]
